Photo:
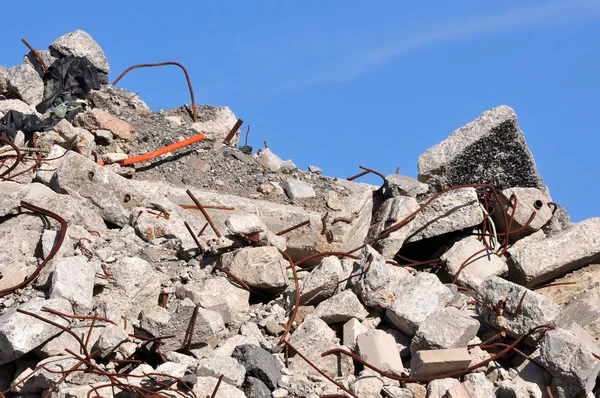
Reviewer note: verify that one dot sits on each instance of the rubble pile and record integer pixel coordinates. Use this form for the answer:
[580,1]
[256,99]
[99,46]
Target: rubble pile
[148,254]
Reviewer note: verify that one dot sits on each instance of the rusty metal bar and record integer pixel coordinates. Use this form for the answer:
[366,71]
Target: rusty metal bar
[234,129]
[290,229]
[204,213]
[37,55]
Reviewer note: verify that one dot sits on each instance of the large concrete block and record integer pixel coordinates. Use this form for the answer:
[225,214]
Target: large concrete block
[260,267]
[490,149]
[341,308]
[73,280]
[393,210]
[379,349]
[477,268]
[523,309]
[437,362]
[543,260]
[80,44]
[417,301]
[529,200]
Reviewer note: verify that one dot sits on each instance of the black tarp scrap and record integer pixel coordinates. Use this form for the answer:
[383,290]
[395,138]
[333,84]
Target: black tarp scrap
[14,121]
[66,80]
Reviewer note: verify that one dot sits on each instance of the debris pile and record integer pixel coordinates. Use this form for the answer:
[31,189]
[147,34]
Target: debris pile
[147,254]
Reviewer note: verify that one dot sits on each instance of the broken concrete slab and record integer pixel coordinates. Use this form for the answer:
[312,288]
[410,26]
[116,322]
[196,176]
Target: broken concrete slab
[296,189]
[73,280]
[452,211]
[379,349]
[80,44]
[323,282]
[445,328]
[393,210]
[400,185]
[437,362]
[259,267]
[523,309]
[490,149]
[216,123]
[233,372]
[564,355]
[379,283]
[417,301]
[541,261]
[25,82]
[97,119]
[21,333]
[478,268]
[352,329]
[341,308]
[528,200]
[213,291]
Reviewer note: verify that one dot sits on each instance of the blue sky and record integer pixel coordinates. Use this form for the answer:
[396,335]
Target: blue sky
[338,84]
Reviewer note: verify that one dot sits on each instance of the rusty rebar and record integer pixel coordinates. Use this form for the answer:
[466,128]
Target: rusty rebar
[204,213]
[354,177]
[553,284]
[17,160]
[214,393]
[234,129]
[237,279]
[61,237]
[290,229]
[93,317]
[290,323]
[37,55]
[187,77]
[189,228]
[191,329]
[373,171]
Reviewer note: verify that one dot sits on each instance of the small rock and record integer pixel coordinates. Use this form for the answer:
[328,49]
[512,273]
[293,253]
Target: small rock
[229,367]
[81,44]
[73,280]
[96,118]
[315,170]
[104,137]
[24,81]
[341,308]
[296,189]
[399,185]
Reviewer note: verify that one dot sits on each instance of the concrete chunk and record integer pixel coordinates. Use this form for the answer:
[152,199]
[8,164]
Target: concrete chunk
[205,386]
[439,388]
[437,362]
[73,280]
[564,355]
[445,328]
[379,349]
[400,185]
[541,261]
[25,82]
[490,149]
[584,311]
[20,333]
[212,292]
[296,189]
[97,119]
[341,308]
[323,282]
[478,268]
[397,209]
[11,194]
[80,44]
[529,200]
[216,123]
[463,390]
[352,329]
[110,339]
[535,309]
[453,211]
[260,267]
[368,386]
[417,301]
[229,367]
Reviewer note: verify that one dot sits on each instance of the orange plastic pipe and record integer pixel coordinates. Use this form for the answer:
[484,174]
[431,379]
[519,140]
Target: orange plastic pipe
[161,151]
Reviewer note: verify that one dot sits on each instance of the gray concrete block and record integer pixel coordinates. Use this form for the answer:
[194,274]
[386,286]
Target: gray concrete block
[393,210]
[341,308]
[437,362]
[541,261]
[400,185]
[260,267]
[73,280]
[490,149]
[379,349]
[529,200]
[296,189]
[323,282]
[352,329]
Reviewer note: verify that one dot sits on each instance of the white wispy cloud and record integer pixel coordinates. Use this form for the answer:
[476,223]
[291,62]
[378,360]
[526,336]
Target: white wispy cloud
[355,64]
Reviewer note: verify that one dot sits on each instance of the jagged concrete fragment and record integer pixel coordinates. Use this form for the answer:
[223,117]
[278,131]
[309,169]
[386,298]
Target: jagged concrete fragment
[379,283]
[437,362]
[323,282]
[529,200]
[230,368]
[24,81]
[584,311]
[11,194]
[341,308]
[260,267]
[45,174]
[564,355]
[296,189]
[205,386]
[379,349]
[269,160]
[7,105]
[159,322]
[482,386]
[477,268]
[311,338]
[259,364]
[73,280]
[523,309]
[541,261]
[352,329]
[80,44]
[490,149]
[368,386]
[211,292]
[400,185]
[439,388]
[21,333]
[453,211]
[463,390]
[110,339]
[247,224]
[216,123]
[417,301]
[393,210]
[357,204]
[445,328]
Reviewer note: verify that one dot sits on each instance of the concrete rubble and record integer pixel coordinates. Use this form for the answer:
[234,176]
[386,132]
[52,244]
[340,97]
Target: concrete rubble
[418,288]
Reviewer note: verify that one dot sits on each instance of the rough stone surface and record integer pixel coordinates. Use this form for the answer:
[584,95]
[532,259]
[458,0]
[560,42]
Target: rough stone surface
[73,280]
[269,160]
[98,119]
[3,80]
[380,283]
[453,211]
[341,308]
[20,333]
[211,292]
[25,82]
[417,301]
[296,189]
[81,44]
[436,362]
[323,282]
[369,386]
[352,329]
[583,310]
[401,185]
[229,367]
[565,356]
[11,194]
[110,339]
[478,268]
[541,261]
[248,224]
[205,386]
[529,200]
[259,364]
[398,209]
[439,388]
[482,386]
[379,349]
[16,105]
[259,267]
[445,328]
[216,123]
[490,149]
[463,390]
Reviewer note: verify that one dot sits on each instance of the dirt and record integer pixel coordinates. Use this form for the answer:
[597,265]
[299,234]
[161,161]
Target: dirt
[585,278]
